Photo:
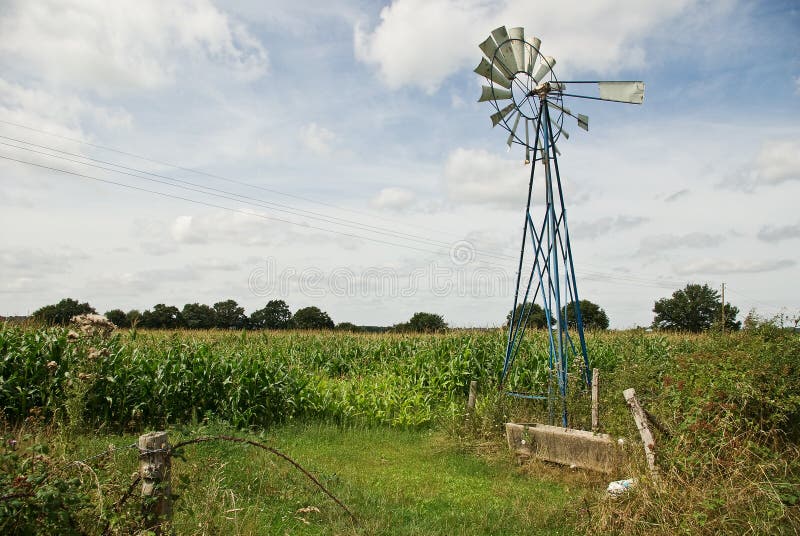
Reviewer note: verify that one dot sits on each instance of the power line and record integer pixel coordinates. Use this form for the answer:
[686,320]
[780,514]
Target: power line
[218,177]
[213,205]
[238,197]
[603,278]
[596,276]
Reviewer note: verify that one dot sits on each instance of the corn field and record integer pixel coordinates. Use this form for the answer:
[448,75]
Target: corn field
[258,378]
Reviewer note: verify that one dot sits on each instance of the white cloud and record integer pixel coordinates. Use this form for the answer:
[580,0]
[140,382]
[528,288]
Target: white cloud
[422,42]
[29,259]
[696,240]
[797,85]
[317,138]
[476,176]
[119,46]
[55,113]
[677,195]
[779,161]
[393,198]
[725,266]
[605,225]
[775,233]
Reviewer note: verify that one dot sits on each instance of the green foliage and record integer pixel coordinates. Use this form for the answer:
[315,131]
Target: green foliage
[162,317]
[274,315]
[229,315]
[134,317]
[349,326]
[422,323]
[731,401]
[592,315]
[695,308]
[119,318]
[312,318]
[62,312]
[534,313]
[199,316]
[36,495]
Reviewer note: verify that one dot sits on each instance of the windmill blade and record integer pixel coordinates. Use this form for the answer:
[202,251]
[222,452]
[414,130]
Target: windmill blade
[498,116]
[532,54]
[632,92]
[505,53]
[518,46]
[489,47]
[494,93]
[513,131]
[544,68]
[627,91]
[486,70]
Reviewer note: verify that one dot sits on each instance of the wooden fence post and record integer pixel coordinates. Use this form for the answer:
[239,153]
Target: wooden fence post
[595,400]
[473,394]
[154,470]
[644,430]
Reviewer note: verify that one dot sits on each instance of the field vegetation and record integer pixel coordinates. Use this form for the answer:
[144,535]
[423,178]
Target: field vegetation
[729,403]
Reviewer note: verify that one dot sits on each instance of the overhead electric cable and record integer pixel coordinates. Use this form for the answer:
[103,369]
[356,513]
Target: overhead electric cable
[596,276]
[219,177]
[245,199]
[213,205]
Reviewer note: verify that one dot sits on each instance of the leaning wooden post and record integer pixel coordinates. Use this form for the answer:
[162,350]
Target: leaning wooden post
[473,394]
[154,470]
[644,430]
[595,400]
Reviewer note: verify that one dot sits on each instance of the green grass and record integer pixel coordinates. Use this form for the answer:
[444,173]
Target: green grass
[731,464]
[395,481]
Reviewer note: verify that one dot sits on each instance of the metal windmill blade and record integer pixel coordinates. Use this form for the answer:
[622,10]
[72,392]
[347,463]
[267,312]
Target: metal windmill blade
[529,103]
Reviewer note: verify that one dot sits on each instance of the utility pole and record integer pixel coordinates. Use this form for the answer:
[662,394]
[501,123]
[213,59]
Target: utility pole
[723,307]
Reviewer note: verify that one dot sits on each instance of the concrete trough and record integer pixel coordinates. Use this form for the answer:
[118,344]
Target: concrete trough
[587,450]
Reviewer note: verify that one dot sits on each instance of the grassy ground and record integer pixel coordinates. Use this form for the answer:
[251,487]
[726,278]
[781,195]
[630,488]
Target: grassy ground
[730,456]
[394,481]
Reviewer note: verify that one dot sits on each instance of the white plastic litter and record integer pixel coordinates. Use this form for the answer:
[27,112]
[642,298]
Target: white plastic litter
[618,487]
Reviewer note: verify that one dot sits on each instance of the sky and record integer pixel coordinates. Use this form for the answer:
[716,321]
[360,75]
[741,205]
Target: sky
[334,154]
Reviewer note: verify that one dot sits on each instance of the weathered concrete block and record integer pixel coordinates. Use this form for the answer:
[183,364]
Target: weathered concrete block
[566,446]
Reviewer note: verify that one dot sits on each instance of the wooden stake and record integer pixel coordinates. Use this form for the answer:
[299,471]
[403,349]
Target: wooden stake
[154,469]
[473,394]
[644,430]
[595,400]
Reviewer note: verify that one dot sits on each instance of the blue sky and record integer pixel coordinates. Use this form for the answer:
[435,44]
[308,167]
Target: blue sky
[358,123]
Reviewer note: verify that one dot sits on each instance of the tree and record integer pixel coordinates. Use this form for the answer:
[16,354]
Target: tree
[230,315]
[162,317]
[199,316]
[536,317]
[312,318]
[349,326]
[275,315]
[694,308]
[62,312]
[119,318]
[592,315]
[426,323]
[134,317]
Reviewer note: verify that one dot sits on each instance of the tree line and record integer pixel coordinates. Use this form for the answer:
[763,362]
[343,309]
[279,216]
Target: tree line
[227,314]
[694,308]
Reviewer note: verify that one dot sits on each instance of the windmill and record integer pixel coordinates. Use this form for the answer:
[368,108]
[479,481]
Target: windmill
[529,103]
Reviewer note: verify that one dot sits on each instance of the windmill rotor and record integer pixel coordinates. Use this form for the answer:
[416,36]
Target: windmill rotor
[520,79]
[531,104]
